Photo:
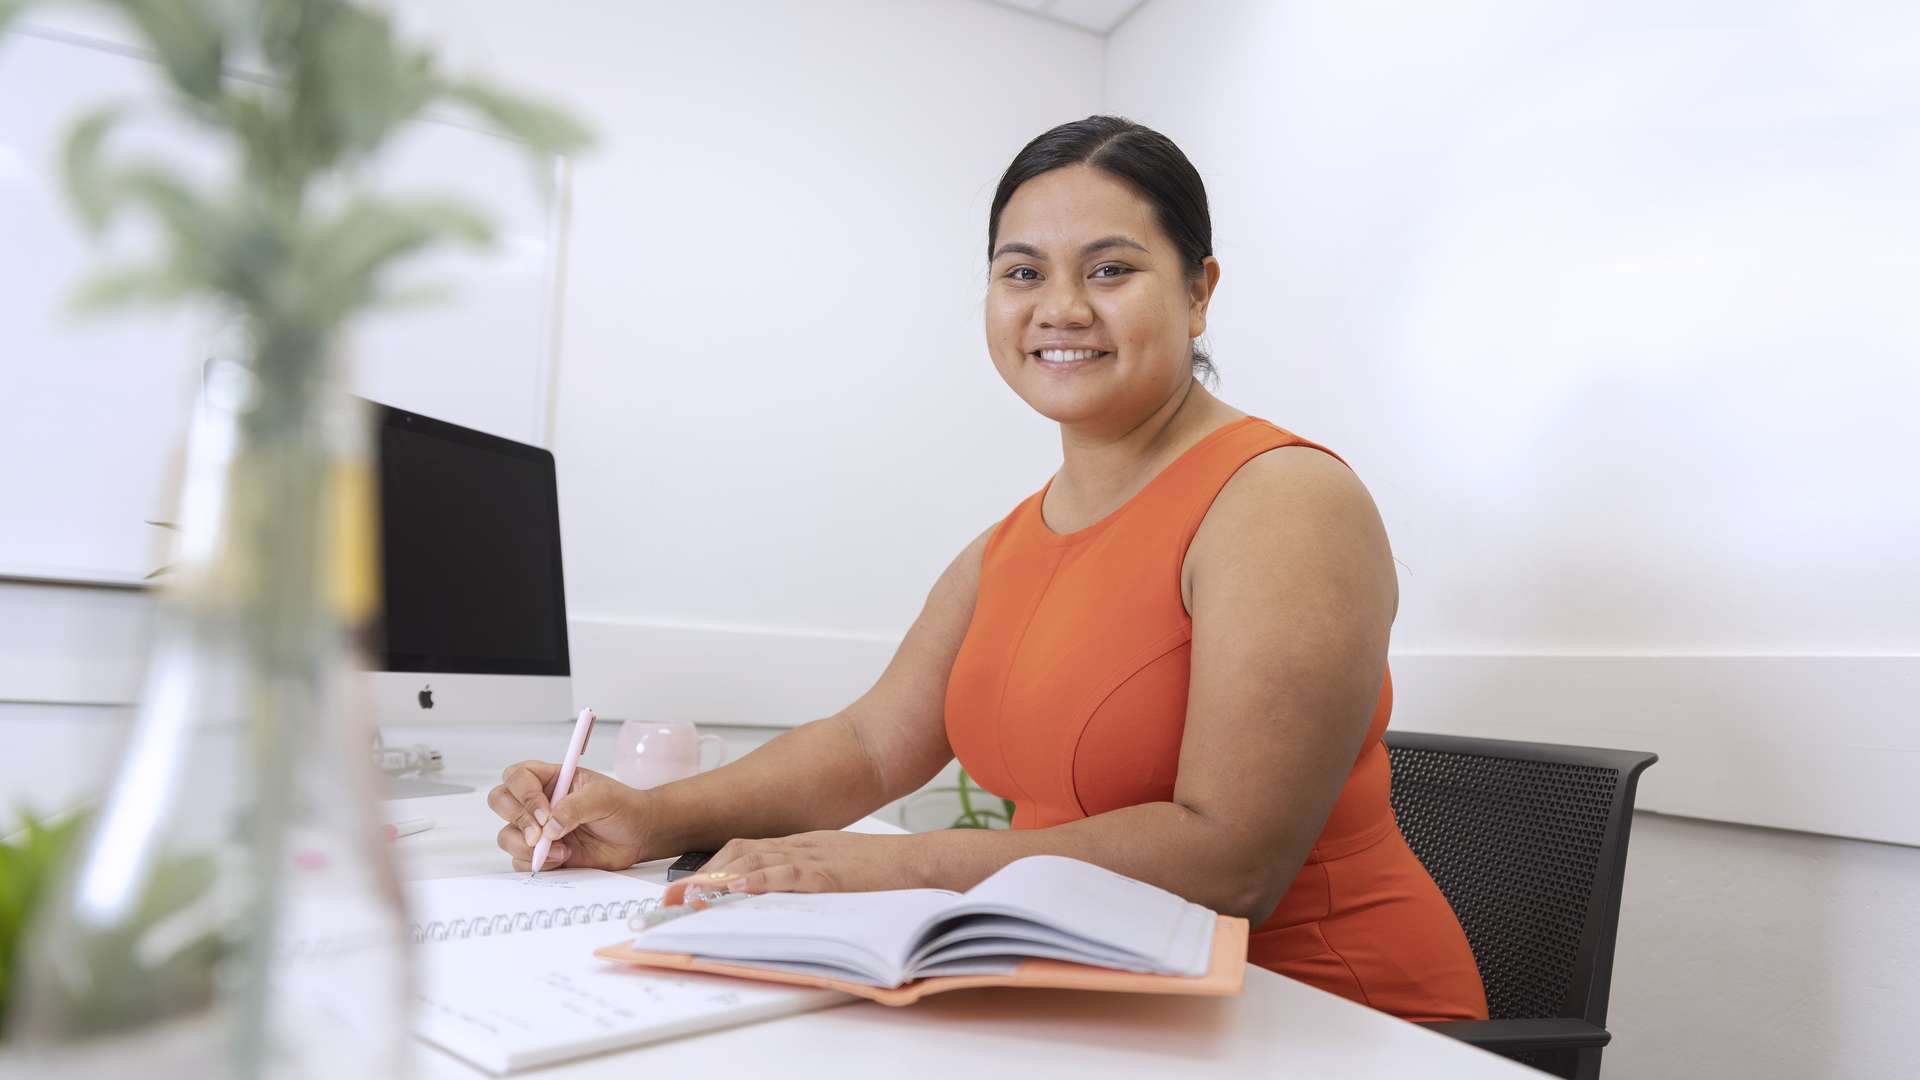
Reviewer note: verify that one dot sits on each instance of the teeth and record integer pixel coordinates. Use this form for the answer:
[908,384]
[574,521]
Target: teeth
[1061,356]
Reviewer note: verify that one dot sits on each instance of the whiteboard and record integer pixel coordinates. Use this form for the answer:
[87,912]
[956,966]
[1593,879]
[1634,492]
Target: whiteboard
[92,411]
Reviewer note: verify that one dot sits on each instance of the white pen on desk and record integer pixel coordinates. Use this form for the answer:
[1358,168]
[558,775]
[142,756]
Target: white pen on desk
[647,920]
[581,728]
[397,829]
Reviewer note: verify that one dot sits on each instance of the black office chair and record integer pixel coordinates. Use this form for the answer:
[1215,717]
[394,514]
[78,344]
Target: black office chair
[1529,843]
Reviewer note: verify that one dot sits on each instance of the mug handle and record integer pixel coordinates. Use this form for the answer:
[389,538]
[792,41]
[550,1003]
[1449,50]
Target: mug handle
[717,741]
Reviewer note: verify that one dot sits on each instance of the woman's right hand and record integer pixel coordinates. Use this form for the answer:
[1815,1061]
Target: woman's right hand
[599,824]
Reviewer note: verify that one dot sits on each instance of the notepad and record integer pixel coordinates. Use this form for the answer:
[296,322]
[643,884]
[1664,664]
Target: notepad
[507,979]
[1043,907]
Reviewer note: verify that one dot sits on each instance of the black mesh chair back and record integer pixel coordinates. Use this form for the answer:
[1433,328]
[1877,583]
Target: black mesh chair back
[1528,841]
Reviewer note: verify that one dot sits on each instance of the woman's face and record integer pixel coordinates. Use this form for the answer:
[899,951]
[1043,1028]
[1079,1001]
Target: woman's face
[1080,263]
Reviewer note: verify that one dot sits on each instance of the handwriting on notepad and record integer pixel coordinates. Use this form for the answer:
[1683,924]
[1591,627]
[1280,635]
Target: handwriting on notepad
[588,1005]
[535,881]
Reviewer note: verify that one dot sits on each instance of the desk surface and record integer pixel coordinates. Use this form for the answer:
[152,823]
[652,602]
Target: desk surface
[1276,1027]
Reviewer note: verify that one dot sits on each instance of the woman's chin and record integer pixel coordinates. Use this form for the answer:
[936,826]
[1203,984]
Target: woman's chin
[1072,410]
[1065,398]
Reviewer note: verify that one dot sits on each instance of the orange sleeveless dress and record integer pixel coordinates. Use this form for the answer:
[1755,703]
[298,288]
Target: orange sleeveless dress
[1069,696]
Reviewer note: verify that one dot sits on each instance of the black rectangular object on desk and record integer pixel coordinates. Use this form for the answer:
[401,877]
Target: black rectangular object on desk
[688,864]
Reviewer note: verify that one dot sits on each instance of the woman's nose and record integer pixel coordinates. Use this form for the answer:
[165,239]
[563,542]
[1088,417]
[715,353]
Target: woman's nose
[1064,304]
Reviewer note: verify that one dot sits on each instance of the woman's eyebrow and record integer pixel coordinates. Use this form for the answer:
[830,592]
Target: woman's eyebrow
[1116,240]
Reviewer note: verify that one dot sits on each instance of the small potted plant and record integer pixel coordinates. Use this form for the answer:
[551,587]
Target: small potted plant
[28,859]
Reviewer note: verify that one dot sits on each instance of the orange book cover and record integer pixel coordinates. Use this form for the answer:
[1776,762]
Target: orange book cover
[1225,972]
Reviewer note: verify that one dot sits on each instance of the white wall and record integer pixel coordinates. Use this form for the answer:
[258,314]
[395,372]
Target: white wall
[1607,306]
[1752,954]
[776,407]
[1610,302]
[776,421]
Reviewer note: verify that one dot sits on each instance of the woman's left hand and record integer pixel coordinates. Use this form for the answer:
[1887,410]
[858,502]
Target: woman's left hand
[825,861]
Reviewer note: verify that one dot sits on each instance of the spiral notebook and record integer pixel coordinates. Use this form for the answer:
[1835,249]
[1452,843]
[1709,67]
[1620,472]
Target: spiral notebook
[508,979]
[489,905]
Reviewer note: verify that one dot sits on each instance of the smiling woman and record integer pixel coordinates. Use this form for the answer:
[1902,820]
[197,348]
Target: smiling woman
[1171,658]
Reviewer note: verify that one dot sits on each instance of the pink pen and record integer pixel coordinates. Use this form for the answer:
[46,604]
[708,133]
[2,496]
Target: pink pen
[575,745]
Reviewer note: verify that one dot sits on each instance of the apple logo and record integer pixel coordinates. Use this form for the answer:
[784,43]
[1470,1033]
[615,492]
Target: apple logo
[426,697]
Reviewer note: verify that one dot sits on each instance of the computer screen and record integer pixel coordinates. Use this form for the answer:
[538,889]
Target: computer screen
[473,628]
[470,551]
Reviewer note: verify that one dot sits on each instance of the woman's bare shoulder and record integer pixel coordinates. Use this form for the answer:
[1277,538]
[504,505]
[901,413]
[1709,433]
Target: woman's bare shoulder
[1293,504]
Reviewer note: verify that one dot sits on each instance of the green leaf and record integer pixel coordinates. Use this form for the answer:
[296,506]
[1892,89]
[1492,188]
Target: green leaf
[27,865]
[193,223]
[80,168]
[262,136]
[190,40]
[424,295]
[540,126]
[13,895]
[351,84]
[131,286]
[338,262]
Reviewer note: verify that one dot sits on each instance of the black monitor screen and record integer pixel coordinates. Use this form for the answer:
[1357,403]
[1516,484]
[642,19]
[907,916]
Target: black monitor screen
[470,541]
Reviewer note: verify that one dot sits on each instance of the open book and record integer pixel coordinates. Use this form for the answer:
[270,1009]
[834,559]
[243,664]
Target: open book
[1040,908]
[507,978]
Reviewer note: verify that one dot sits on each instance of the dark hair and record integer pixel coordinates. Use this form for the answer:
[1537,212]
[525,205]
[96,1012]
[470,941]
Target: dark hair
[1142,157]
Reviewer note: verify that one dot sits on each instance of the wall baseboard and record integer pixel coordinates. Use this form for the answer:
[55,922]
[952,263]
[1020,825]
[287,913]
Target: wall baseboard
[1821,744]
[72,645]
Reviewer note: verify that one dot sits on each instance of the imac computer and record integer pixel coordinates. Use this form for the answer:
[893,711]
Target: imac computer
[474,625]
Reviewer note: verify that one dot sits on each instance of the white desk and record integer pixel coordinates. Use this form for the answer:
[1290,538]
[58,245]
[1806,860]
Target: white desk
[1277,1027]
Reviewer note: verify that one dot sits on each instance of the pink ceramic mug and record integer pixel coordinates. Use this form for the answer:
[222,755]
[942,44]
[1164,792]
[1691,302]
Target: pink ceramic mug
[655,752]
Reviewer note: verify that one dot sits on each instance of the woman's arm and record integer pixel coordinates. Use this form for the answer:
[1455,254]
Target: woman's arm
[1293,597]
[832,772]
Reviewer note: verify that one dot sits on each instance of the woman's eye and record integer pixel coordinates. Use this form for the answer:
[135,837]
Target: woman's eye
[1015,273]
[1110,266]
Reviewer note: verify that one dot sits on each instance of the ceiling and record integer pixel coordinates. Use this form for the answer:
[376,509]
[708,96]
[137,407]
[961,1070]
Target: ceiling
[1098,16]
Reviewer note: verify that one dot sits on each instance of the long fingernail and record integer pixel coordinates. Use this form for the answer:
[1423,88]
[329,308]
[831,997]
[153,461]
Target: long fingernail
[540,815]
[552,831]
[556,854]
[532,835]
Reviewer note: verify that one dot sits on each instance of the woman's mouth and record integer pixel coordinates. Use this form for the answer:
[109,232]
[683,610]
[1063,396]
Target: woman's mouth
[1067,358]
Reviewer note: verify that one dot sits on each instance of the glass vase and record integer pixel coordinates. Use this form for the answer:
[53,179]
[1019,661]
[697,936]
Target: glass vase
[233,911]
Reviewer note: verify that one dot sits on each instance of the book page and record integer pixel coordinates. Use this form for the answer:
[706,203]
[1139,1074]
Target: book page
[1170,933]
[866,932]
[531,999]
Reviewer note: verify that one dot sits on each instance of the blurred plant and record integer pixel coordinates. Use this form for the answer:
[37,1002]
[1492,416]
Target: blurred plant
[337,85]
[27,863]
[28,869]
[289,246]
[976,817]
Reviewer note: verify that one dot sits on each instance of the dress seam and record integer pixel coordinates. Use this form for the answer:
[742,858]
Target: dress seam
[1126,673]
[1326,876]
[1006,683]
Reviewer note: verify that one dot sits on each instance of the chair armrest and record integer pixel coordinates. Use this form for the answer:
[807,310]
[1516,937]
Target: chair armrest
[1554,1033]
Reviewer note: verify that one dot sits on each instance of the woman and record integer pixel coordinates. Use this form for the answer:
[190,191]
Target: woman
[1172,658]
